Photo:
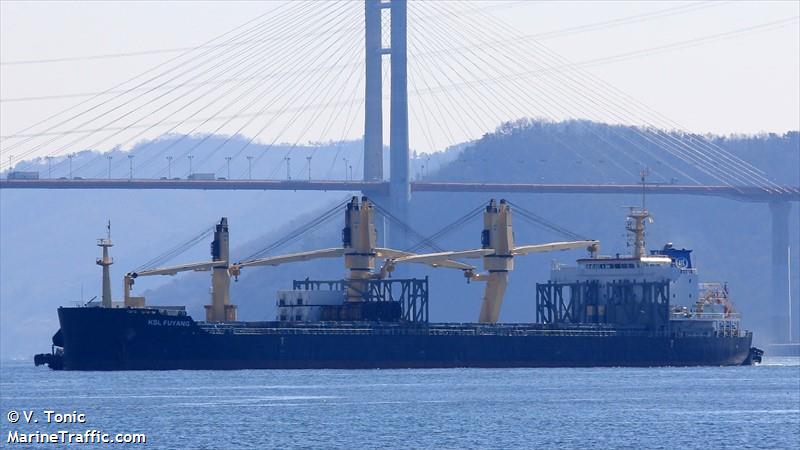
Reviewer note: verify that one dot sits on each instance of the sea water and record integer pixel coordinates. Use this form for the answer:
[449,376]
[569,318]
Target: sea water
[595,408]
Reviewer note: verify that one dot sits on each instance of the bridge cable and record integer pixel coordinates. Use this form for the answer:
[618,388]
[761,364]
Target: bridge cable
[308,99]
[505,101]
[332,88]
[178,250]
[155,68]
[735,164]
[448,229]
[523,91]
[298,232]
[240,58]
[230,60]
[540,221]
[394,219]
[266,88]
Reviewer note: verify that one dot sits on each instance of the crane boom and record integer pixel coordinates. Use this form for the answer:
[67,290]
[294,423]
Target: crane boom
[197,267]
[391,253]
[220,309]
[497,239]
[444,259]
[552,246]
[129,278]
[235,269]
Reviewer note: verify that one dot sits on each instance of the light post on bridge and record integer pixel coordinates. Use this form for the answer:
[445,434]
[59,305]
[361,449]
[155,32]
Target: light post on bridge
[191,157]
[309,167]
[49,166]
[70,156]
[169,167]
[130,163]
[228,163]
[109,157]
[249,167]
[288,170]
[346,165]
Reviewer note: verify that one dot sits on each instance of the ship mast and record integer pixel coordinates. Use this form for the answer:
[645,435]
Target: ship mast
[636,220]
[106,262]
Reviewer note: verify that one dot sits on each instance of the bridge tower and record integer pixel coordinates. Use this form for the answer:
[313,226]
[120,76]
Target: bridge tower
[399,176]
[373,102]
[779,294]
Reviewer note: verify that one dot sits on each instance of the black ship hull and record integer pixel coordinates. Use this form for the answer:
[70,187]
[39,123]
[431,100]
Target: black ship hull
[148,339]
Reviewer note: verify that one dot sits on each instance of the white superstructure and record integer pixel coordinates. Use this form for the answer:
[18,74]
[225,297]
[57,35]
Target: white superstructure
[689,300]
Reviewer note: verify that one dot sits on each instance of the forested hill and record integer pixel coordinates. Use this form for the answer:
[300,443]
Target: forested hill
[588,152]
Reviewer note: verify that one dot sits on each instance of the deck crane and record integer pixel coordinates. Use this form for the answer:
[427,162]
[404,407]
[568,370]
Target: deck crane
[220,309]
[359,249]
[498,252]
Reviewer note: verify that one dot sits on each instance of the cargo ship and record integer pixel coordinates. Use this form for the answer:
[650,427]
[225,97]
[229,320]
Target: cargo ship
[643,309]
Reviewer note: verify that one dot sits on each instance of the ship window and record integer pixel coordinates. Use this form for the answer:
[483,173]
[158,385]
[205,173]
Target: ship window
[602,266]
[297,318]
[282,302]
[616,266]
[283,318]
[299,301]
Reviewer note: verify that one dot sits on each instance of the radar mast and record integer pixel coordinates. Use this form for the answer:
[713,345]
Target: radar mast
[106,261]
[636,222]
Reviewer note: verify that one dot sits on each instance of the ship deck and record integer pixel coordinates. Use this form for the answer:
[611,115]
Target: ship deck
[429,329]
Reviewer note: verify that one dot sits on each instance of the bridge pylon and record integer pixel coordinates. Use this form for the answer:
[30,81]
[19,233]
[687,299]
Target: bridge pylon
[399,197]
[779,292]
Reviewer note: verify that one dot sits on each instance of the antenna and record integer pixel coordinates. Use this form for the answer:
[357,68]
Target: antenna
[643,175]
[109,230]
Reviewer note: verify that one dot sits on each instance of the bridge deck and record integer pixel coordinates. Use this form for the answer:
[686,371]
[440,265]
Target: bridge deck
[382,188]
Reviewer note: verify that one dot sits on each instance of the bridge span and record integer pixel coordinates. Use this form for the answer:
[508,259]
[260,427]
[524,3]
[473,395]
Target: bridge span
[743,193]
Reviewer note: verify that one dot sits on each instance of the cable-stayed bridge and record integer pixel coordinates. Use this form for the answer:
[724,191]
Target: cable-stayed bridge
[321,72]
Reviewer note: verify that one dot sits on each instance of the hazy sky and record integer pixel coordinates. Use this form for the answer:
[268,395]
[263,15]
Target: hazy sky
[724,67]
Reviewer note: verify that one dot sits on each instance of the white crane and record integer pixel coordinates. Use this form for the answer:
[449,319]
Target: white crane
[359,240]
[498,252]
[220,309]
